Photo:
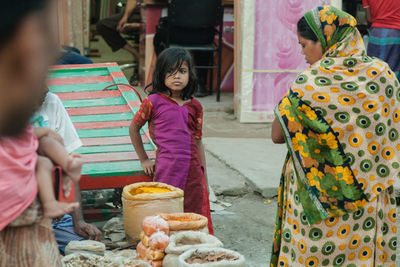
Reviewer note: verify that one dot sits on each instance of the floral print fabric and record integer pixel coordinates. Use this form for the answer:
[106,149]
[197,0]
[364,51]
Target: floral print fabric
[366,237]
[340,120]
[330,24]
[326,184]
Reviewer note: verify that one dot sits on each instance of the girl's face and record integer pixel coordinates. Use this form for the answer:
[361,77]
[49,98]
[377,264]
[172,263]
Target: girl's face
[310,49]
[177,80]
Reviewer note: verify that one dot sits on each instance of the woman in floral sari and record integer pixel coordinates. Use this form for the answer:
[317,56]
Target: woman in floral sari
[340,121]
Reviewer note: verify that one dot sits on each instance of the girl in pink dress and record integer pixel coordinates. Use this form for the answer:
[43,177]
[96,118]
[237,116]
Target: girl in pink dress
[175,123]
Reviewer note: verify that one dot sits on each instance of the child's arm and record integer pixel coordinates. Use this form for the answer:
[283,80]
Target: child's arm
[202,155]
[147,164]
[44,131]
[143,115]
[41,131]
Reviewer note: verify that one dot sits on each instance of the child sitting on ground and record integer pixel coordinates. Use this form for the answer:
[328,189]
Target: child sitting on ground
[51,149]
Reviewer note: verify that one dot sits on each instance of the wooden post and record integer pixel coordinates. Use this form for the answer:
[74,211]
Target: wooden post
[237,56]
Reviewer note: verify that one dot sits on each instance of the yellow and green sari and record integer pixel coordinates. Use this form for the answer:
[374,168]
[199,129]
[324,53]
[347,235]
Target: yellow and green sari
[340,119]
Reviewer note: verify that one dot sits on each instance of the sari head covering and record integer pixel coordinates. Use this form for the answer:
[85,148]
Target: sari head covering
[340,120]
[330,25]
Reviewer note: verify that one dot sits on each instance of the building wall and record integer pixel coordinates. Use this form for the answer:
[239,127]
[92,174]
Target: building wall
[73,23]
[270,54]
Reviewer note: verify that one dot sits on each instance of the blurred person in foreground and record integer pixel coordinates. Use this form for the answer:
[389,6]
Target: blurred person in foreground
[27,48]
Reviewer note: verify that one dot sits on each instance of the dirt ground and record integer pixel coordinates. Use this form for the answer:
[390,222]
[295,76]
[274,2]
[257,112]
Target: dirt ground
[247,227]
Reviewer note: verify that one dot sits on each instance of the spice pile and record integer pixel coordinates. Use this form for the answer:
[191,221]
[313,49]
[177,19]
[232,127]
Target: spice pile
[124,258]
[83,260]
[211,256]
[149,190]
[179,222]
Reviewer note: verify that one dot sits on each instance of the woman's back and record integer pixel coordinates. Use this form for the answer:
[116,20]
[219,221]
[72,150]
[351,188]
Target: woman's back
[340,121]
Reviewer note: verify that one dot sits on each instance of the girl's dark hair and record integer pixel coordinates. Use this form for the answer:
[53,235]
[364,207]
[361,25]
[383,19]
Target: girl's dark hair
[305,30]
[170,61]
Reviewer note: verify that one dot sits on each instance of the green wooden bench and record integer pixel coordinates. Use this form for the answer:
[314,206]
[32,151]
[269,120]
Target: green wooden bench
[102,119]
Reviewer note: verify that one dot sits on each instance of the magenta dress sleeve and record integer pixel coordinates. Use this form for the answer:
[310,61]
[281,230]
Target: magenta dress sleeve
[144,113]
[198,134]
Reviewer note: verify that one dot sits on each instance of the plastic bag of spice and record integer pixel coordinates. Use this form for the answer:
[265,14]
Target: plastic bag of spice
[158,241]
[184,241]
[148,254]
[147,199]
[179,222]
[211,257]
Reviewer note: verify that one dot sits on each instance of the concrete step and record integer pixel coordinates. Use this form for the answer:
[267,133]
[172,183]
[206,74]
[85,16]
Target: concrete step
[258,160]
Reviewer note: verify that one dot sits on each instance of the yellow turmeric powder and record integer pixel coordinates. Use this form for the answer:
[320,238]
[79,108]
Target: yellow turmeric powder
[149,190]
[182,219]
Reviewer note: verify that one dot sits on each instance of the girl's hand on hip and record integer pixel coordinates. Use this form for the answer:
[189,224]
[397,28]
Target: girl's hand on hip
[148,167]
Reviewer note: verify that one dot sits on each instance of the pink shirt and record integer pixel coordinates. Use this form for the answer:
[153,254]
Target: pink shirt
[18,186]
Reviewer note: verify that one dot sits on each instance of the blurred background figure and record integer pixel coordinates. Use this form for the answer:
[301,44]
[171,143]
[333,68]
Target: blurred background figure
[111,28]
[131,33]
[71,55]
[384,37]
[192,25]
